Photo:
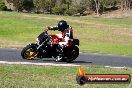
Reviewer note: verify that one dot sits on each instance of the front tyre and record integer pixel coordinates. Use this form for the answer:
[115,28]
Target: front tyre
[29,52]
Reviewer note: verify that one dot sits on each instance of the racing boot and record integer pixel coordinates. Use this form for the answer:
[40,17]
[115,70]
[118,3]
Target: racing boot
[60,56]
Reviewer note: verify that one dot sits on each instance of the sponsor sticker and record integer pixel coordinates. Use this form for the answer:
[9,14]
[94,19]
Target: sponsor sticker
[83,78]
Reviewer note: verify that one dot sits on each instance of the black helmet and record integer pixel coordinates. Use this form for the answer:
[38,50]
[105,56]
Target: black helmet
[62,25]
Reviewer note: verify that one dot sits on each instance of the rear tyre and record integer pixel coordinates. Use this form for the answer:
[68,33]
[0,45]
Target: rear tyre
[28,52]
[70,54]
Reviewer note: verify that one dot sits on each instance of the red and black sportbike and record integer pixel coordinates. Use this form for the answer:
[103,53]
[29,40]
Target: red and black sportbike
[48,46]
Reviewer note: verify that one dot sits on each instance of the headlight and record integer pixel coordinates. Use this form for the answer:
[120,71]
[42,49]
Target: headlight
[37,39]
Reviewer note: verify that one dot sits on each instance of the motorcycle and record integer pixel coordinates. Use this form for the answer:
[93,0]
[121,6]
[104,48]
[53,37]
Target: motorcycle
[48,46]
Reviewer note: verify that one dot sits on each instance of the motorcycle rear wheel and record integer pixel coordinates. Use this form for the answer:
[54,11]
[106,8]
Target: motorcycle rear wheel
[70,54]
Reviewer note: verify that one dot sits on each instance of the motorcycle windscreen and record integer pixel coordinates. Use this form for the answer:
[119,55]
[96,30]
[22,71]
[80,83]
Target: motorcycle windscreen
[42,37]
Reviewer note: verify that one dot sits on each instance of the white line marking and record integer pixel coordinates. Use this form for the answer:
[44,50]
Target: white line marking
[115,67]
[43,64]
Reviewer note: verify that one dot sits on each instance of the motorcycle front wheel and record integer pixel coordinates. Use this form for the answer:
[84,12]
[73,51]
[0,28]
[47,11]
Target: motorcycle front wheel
[29,52]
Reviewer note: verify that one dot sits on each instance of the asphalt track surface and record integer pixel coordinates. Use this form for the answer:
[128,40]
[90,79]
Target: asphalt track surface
[13,55]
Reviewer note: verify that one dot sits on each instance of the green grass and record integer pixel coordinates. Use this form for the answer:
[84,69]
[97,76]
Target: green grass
[27,76]
[100,35]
